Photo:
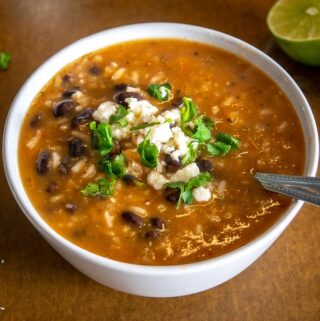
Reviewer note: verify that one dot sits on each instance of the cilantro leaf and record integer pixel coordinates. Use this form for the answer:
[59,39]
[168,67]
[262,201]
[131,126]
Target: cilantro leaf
[5,59]
[194,182]
[118,116]
[203,127]
[218,149]
[114,167]
[102,137]
[199,180]
[148,153]
[144,125]
[223,144]
[186,188]
[160,92]
[188,110]
[101,188]
[228,139]
[190,156]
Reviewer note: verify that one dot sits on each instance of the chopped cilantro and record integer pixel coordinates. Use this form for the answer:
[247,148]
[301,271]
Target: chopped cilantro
[223,144]
[228,139]
[186,188]
[114,167]
[101,188]
[160,92]
[218,149]
[144,125]
[119,115]
[194,182]
[202,125]
[148,153]
[102,137]
[188,110]
[5,59]
[190,156]
[202,130]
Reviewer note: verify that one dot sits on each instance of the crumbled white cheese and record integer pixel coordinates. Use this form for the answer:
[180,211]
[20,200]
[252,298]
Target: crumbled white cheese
[119,132]
[131,118]
[178,146]
[186,173]
[167,148]
[159,134]
[201,194]
[170,116]
[142,111]
[104,111]
[156,180]
[173,114]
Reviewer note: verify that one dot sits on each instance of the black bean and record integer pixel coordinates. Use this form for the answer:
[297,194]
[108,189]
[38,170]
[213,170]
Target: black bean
[36,120]
[116,149]
[158,223]
[204,165]
[66,78]
[173,197]
[63,107]
[83,117]
[52,187]
[120,97]
[94,70]
[177,102]
[152,234]
[42,162]
[68,93]
[64,167]
[76,147]
[129,179]
[120,87]
[71,207]
[132,218]
[132,180]
[172,165]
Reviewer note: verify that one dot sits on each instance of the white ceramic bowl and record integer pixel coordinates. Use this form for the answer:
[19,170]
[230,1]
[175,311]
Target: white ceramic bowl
[154,281]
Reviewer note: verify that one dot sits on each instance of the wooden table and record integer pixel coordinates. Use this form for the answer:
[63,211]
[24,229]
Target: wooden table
[37,284]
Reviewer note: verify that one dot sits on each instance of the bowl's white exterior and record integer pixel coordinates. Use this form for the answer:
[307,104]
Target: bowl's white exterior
[155,281]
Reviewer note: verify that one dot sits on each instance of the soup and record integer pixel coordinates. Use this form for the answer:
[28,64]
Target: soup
[145,151]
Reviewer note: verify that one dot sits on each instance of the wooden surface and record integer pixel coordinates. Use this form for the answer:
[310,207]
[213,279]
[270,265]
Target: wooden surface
[37,284]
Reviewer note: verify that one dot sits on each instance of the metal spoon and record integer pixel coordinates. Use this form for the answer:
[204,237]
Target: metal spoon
[304,188]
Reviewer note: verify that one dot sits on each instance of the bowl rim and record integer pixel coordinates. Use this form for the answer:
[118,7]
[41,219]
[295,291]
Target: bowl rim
[37,221]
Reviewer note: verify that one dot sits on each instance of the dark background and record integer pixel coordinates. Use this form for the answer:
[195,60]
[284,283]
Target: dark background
[37,284]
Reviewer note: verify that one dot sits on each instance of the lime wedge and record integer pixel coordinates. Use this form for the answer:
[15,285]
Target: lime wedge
[295,24]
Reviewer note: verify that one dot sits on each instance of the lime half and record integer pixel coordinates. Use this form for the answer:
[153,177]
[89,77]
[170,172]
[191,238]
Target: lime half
[295,24]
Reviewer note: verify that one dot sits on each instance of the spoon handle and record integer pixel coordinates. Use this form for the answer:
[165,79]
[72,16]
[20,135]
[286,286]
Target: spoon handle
[304,188]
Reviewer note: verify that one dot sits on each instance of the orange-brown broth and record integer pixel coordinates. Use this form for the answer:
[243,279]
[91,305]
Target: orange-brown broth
[241,99]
